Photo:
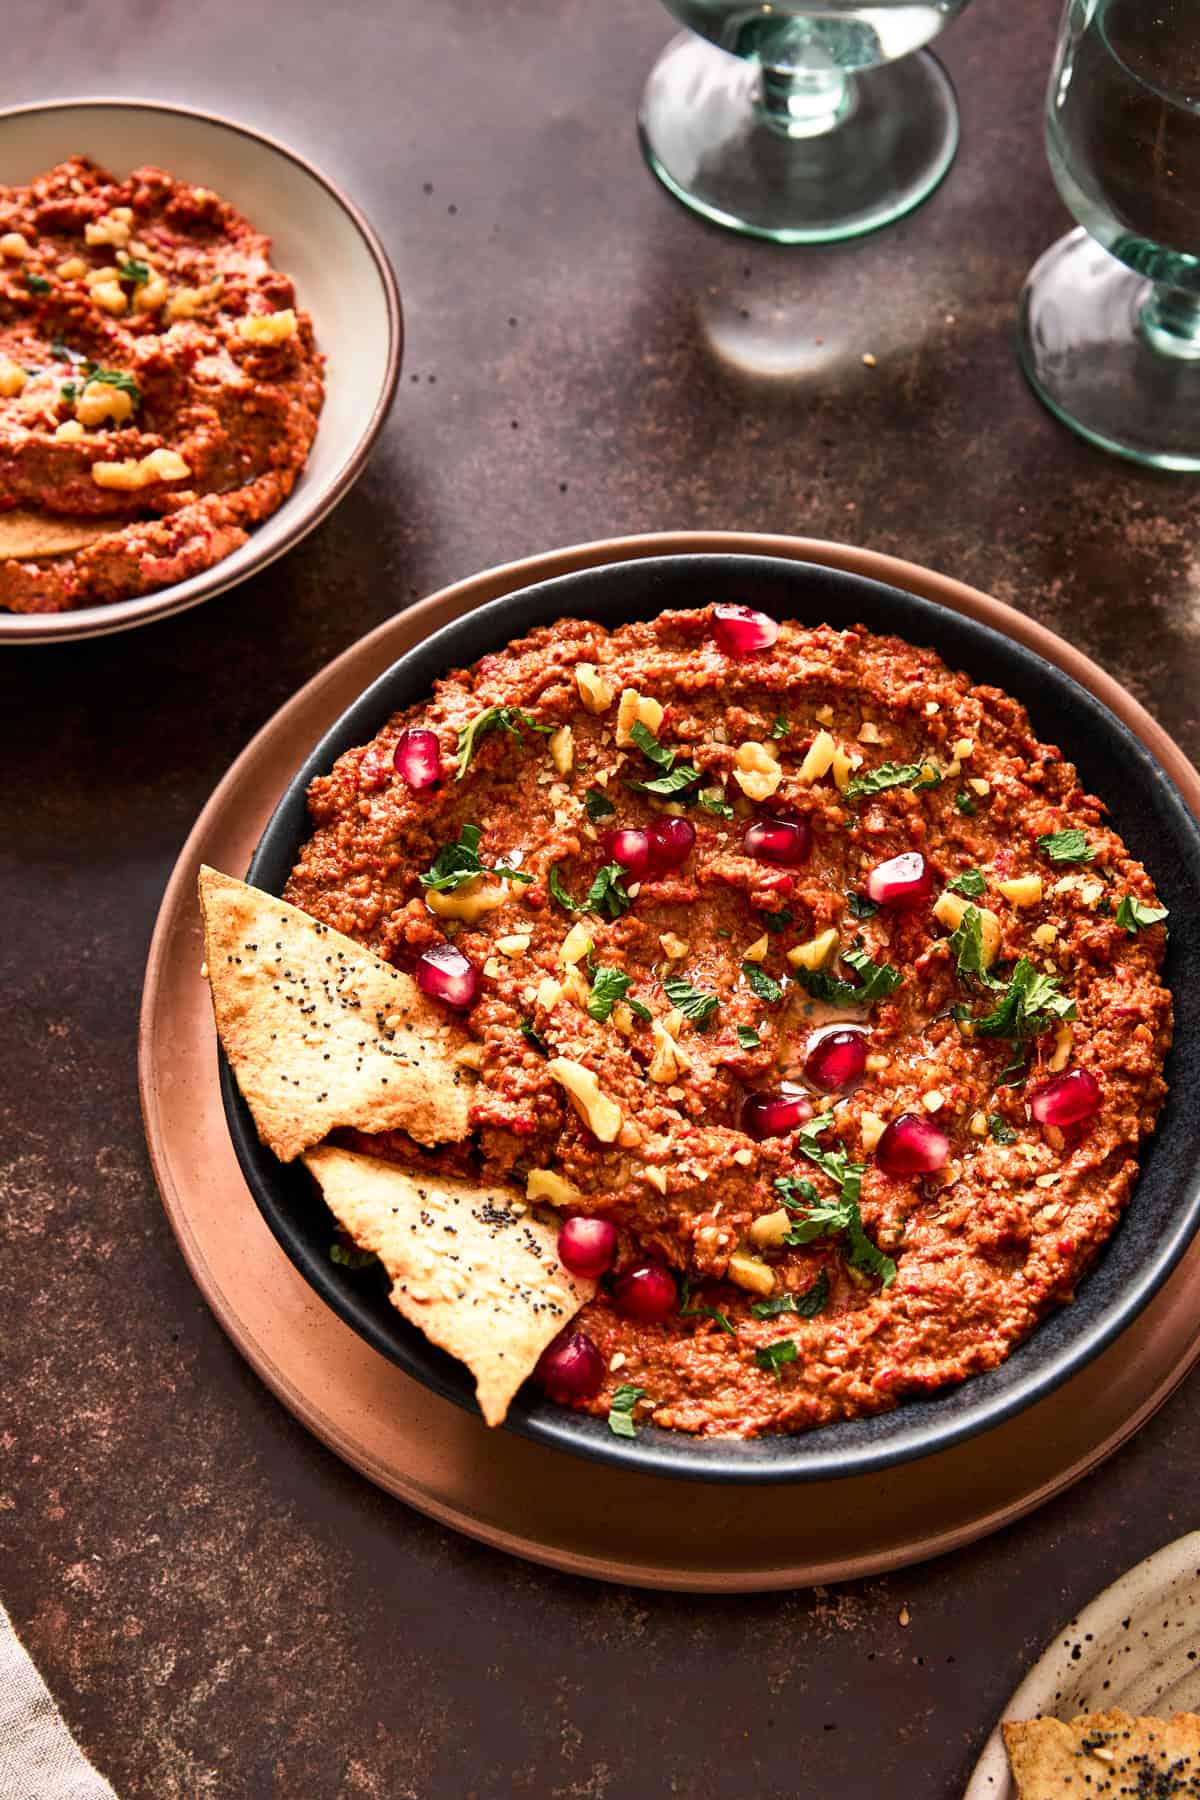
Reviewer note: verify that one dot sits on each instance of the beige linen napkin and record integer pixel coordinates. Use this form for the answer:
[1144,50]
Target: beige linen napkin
[39,1759]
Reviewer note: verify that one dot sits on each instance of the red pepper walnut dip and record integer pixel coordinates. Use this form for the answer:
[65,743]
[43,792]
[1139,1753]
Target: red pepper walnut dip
[158,390]
[808,985]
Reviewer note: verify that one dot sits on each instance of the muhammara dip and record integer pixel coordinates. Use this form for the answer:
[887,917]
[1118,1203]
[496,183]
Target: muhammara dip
[811,988]
[159,390]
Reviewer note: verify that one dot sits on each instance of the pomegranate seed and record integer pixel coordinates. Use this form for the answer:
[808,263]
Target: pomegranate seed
[1067,1099]
[587,1246]
[671,843]
[418,758]
[774,883]
[629,846]
[774,1114]
[786,841]
[912,1146]
[836,1059]
[902,881]
[571,1368]
[740,631]
[646,1293]
[444,973]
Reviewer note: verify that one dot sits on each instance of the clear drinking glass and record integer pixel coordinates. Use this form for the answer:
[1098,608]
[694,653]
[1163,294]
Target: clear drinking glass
[802,120]
[1110,315]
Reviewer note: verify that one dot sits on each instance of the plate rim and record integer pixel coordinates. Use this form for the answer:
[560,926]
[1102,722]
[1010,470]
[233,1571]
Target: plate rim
[655,1453]
[991,1777]
[96,621]
[461,1483]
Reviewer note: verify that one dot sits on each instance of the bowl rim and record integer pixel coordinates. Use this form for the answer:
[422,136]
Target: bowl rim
[124,615]
[663,1452]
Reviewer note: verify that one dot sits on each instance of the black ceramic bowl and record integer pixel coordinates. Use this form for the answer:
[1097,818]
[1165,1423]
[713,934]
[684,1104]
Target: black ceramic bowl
[1147,811]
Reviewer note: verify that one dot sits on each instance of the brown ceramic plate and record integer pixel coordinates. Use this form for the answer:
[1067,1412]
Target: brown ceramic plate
[342,275]
[512,1493]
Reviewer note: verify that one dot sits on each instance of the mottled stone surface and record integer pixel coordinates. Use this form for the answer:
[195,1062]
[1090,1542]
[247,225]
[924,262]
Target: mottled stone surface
[223,1609]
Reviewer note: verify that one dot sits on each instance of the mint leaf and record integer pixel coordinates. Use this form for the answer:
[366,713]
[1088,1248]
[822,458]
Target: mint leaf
[692,1002]
[887,775]
[608,986]
[878,981]
[1030,1005]
[713,801]
[966,945]
[606,896]
[689,1311]
[458,863]
[777,921]
[1069,846]
[965,804]
[598,806]
[772,1357]
[37,284]
[620,1410]
[1002,1132]
[681,776]
[651,749]
[493,718]
[970,883]
[1134,915]
[130,269]
[860,907]
[780,728]
[806,1305]
[748,1038]
[531,1037]
[762,984]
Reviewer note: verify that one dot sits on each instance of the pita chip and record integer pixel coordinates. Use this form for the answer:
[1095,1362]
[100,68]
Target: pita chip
[1104,1754]
[321,1032]
[25,534]
[470,1266]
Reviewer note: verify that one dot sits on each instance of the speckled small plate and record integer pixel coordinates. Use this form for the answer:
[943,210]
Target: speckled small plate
[1136,1646]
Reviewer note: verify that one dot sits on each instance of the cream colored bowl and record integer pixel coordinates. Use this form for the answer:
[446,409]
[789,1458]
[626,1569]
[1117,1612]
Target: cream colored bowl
[342,275]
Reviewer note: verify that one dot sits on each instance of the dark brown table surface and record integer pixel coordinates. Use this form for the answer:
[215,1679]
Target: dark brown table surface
[221,1607]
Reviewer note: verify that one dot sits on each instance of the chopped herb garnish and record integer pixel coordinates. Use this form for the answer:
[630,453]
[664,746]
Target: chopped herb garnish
[1002,1132]
[598,806]
[638,1007]
[878,980]
[531,1037]
[692,1002]
[828,1218]
[773,1356]
[69,389]
[115,378]
[806,1305]
[1031,1003]
[777,921]
[887,775]
[931,777]
[763,985]
[748,1038]
[606,895]
[713,800]
[797,1194]
[1135,915]
[965,804]
[130,269]
[37,284]
[970,883]
[608,986]
[493,718]
[348,1256]
[966,945]
[62,352]
[620,1410]
[689,1311]
[1070,846]
[860,906]
[780,728]
[674,777]
[457,864]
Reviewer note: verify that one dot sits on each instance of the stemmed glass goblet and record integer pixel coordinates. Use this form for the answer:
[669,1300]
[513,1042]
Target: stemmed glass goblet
[1109,332]
[802,120]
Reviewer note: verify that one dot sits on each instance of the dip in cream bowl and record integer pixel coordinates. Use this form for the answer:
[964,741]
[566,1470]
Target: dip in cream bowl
[113,313]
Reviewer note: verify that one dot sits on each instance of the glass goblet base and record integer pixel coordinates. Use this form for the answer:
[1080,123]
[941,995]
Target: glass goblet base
[806,161]
[1113,356]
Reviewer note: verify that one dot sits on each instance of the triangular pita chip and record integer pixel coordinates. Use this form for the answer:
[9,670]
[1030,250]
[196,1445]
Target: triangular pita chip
[321,1032]
[472,1267]
[1106,1753]
[26,534]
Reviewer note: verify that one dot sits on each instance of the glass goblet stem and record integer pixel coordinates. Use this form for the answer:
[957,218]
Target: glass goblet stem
[805,104]
[1169,321]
